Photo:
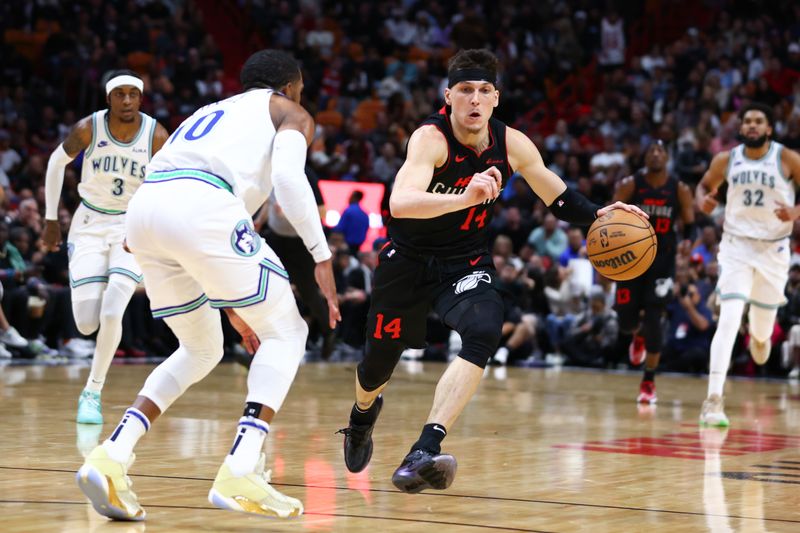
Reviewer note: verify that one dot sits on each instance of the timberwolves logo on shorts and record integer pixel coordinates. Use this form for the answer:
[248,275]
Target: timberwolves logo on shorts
[244,239]
[470,281]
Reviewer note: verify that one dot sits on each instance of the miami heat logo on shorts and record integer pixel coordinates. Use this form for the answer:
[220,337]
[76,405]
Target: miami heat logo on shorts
[470,281]
[244,239]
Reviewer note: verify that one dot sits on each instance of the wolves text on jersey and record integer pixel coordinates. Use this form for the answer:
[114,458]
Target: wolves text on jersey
[118,165]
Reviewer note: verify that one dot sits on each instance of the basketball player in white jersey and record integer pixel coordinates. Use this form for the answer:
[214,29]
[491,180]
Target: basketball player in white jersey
[754,253]
[190,227]
[117,143]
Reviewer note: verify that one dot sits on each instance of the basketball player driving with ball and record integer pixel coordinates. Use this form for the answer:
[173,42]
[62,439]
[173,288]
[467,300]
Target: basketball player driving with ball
[458,162]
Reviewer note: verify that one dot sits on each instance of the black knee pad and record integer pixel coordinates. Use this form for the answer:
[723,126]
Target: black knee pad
[480,324]
[651,328]
[380,358]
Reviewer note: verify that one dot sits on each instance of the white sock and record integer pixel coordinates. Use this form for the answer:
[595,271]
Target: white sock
[246,449]
[501,355]
[730,317]
[131,428]
[94,385]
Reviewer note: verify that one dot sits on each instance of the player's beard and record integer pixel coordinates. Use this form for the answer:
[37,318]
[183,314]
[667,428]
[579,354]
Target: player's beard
[758,142]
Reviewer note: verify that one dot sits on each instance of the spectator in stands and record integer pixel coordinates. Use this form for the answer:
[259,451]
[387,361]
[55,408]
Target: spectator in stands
[354,223]
[593,334]
[549,239]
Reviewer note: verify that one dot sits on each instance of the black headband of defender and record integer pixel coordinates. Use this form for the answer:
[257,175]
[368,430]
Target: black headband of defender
[471,74]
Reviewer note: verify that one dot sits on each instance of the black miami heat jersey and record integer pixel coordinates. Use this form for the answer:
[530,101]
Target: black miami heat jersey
[463,232]
[662,205]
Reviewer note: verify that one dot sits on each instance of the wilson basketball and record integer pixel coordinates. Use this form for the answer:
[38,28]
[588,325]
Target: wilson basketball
[621,245]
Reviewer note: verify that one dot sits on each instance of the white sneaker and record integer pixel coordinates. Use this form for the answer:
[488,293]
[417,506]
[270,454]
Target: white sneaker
[252,494]
[40,348]
[713,412]
[759,351]
[78,348]
[4,353]
[794,373]
[412,354]
[11,337]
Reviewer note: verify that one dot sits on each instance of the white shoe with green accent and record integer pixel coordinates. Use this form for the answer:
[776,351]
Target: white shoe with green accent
[713,413]
[89,409]
[252,493]
[106,483]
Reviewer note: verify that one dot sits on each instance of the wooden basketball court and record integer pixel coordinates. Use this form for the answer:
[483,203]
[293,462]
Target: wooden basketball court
[538,450]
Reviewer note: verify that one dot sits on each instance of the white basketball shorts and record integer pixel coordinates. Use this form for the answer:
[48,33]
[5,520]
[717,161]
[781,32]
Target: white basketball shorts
[95,248]
[753,270]
[195,243]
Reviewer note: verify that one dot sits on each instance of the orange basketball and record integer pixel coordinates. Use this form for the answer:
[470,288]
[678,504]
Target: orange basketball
[621,245]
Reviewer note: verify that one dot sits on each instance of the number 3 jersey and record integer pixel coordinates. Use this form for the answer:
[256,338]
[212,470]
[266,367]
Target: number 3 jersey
[463,232]
[113,170]
[755,187]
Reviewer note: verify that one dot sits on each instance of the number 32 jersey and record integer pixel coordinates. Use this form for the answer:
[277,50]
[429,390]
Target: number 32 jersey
[755,186]
[463,232]
[230,139]
[113,170]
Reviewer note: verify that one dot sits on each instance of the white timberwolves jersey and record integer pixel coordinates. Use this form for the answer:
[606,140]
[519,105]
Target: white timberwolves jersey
[231,139]
[754,189]
[113,170]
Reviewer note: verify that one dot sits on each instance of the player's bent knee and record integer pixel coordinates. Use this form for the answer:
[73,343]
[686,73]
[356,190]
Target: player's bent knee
[380,358]
[480,325]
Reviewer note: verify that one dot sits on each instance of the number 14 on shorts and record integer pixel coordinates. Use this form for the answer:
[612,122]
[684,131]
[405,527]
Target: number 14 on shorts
[391,328]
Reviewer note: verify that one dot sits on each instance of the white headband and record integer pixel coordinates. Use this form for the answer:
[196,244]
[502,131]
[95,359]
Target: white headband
[124,79]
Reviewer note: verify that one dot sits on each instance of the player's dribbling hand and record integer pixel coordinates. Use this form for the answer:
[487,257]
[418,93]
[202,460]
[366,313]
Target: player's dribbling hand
[483,186]
[709,202]
[785,212]
[323,273]
[625,207]
[51,235]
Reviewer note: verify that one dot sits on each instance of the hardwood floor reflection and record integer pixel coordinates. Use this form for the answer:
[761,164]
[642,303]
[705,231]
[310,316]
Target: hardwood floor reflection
[538,450]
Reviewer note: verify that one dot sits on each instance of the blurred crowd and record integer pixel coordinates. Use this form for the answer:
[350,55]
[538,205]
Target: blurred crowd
[591,82]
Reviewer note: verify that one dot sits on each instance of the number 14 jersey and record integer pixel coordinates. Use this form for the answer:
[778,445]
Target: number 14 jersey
[463,232]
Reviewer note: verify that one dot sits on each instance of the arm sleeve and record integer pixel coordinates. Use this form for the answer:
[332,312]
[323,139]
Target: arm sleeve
[294,194]
[54,180]
[574,208]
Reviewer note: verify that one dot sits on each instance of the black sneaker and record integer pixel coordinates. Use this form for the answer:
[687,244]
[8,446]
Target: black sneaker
[422,470]
[358,441]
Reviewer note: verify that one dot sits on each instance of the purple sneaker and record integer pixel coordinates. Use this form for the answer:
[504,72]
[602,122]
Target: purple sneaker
[422,470]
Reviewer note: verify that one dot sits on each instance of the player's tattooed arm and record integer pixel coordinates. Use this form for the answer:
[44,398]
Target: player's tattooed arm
[79,137]
[706,197]
[159,138]
[686,204]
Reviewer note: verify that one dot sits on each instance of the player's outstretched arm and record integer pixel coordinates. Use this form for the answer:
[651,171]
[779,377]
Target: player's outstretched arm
[427,150]
[706,193]
[78,139]
[562,201]
[295,130]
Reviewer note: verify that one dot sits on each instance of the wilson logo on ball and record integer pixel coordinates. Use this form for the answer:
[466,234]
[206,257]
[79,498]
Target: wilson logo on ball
[615,262]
